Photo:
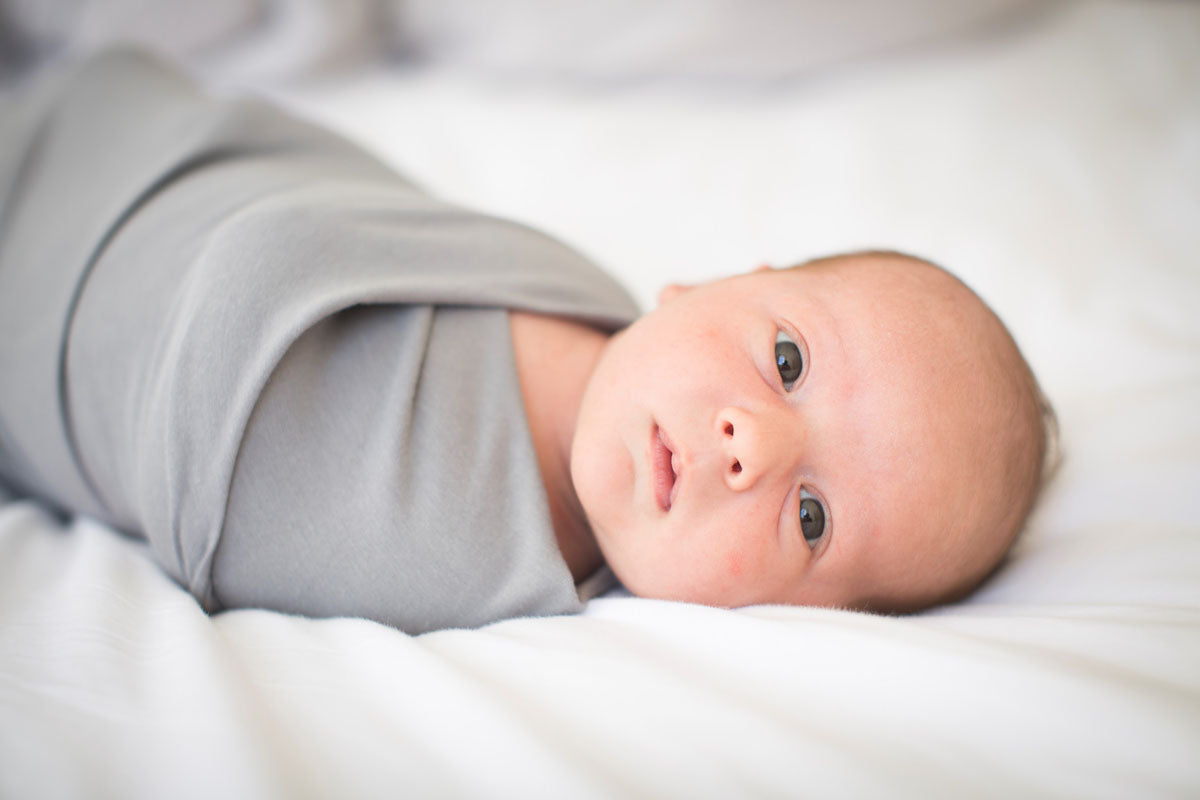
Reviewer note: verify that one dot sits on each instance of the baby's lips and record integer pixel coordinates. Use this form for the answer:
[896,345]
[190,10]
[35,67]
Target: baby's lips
[662,469]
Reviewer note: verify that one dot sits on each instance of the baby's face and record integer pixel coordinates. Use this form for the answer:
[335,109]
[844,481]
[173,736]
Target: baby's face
[794,436]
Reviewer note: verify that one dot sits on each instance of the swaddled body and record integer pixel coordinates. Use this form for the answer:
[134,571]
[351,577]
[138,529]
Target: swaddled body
[288,368]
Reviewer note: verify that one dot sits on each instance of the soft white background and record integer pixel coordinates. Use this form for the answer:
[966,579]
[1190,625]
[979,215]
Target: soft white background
[1048,153]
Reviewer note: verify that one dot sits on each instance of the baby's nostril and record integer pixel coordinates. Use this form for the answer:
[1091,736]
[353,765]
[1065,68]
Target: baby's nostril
[729,429]
[736,468]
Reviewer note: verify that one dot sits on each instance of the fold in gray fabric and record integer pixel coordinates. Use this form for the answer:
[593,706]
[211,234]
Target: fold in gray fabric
[237,335]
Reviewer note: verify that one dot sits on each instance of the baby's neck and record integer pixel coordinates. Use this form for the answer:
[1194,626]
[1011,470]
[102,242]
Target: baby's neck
[555,358]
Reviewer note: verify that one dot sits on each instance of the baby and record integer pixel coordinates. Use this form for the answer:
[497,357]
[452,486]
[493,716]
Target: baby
[858,431]
[314,388]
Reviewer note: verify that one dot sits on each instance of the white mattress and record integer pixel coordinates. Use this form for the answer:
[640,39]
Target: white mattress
[1055,165]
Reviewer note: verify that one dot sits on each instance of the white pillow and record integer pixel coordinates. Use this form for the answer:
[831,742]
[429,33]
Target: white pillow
[621,39]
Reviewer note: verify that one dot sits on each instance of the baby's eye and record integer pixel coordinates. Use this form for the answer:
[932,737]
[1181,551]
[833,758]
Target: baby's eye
[788,360]
[812,518]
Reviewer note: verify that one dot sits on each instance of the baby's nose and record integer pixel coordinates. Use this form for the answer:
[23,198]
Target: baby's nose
[756,444]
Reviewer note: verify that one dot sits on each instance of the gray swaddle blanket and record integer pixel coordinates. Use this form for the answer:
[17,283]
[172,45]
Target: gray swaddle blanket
[239,336]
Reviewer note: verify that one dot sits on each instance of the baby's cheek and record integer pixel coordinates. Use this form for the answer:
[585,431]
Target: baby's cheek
[733,564]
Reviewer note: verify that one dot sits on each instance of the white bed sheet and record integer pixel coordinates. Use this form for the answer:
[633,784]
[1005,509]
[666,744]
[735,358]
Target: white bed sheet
[1056,167]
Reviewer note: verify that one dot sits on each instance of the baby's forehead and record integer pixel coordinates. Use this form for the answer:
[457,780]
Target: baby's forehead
[920,357]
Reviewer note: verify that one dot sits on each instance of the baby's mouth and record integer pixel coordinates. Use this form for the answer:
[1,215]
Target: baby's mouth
[663,465]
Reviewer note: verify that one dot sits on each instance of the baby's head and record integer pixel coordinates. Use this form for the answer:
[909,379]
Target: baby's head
[858,431]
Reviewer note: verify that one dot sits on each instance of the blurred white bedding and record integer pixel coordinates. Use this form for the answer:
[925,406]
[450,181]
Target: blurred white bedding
[1055,166]
[601,40]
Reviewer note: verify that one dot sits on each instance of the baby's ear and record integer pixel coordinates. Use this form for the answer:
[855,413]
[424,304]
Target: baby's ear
[671,291]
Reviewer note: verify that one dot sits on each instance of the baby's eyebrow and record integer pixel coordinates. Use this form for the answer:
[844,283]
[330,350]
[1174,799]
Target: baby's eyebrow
[831,324]
[837,333]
